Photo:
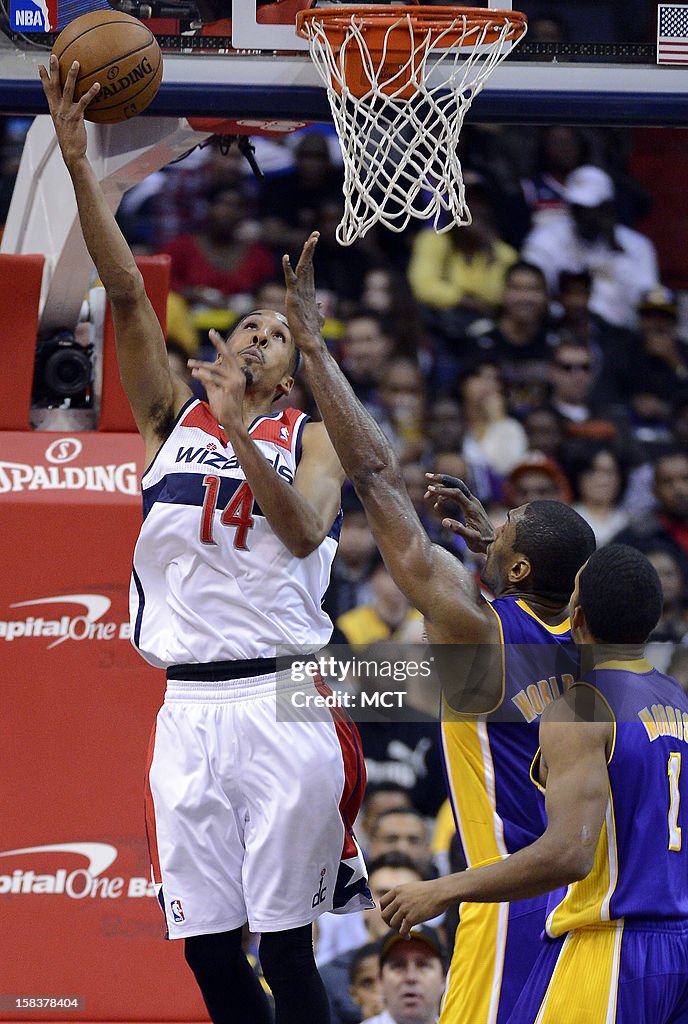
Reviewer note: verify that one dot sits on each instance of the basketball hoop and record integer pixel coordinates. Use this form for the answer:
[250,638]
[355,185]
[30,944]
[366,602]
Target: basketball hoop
[399,81]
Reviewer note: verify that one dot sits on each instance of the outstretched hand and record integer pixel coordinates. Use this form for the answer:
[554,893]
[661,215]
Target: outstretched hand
[405,906]
[448,492]
[66,112]
[224,381]
[304,317]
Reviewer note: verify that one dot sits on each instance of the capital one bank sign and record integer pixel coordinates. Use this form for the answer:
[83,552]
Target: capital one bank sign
[24,872]
[86,622]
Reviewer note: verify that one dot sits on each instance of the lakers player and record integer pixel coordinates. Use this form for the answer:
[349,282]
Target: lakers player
[248,820]
[611,765]
[515,657]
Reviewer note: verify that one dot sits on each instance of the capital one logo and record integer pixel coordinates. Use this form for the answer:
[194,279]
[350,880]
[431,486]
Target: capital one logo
[86,881]
[88,625]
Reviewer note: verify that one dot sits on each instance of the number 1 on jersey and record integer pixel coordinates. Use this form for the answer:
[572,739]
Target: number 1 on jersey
[674,772]
[237,512]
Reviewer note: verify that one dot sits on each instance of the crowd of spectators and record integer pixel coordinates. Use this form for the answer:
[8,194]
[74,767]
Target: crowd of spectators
[536,354]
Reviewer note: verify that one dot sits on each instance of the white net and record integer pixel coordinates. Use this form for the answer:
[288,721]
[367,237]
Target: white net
[399,119]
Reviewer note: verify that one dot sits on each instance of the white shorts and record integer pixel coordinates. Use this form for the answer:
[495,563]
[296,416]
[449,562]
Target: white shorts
[248,818]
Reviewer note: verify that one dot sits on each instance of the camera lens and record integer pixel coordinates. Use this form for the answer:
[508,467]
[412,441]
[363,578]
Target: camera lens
[67,372]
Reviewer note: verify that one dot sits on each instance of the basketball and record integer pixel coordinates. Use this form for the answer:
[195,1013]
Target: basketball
[117,51]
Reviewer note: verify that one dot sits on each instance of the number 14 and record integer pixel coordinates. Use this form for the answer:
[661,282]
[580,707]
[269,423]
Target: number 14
[237,512]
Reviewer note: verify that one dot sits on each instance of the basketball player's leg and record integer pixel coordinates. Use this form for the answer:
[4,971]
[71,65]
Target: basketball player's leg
[302,783]
[229,985]
[289,967]
[495,948]
[653,974]
[197,871]
[577,979]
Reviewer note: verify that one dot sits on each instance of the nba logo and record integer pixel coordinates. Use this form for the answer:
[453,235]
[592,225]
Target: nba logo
[177,912]
[284,433]
[33,15]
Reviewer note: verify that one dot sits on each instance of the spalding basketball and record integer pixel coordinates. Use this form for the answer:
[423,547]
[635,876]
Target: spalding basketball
[117,51]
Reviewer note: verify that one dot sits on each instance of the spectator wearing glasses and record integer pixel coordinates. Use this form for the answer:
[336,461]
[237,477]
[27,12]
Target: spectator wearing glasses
[575,396]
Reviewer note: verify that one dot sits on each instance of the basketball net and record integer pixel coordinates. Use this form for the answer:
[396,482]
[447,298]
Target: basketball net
[399,82]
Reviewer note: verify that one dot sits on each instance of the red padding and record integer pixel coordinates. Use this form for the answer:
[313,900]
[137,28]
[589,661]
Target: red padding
[20,291]
[115,414]
[246,126]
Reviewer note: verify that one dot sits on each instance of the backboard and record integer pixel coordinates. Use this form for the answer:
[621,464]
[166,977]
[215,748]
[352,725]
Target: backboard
[587,63]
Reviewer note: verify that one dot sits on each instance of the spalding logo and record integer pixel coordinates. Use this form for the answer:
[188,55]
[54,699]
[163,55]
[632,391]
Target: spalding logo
[137,74]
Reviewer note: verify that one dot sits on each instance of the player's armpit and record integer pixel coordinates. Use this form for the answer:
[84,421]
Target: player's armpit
[154,393]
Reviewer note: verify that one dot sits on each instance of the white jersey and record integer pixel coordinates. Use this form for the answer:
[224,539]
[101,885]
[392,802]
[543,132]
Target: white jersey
[211,581]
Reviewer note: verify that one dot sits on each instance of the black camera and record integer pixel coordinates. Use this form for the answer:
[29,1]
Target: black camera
[63,373]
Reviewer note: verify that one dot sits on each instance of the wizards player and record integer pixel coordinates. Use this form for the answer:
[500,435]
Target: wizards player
[614,853]
[249,820]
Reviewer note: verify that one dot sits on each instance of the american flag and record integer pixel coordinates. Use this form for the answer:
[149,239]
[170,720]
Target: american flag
[672,34]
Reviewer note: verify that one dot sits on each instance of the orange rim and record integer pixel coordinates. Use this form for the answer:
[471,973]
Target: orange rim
[375,19]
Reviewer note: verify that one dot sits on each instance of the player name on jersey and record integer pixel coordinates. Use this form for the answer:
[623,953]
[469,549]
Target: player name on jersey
[664,720]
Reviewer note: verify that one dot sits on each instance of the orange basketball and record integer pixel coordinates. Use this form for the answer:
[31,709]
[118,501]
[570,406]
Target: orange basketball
[117,51]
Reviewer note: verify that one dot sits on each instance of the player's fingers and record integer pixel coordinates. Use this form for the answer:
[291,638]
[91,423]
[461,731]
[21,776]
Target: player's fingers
[209,371]
[88,96]
[456,527]
[289,275]
[454,494]
[447,494]
[70,82]
[397,921]
[305,264]
[217,341]
[50,77]
[387,899]
[452,482]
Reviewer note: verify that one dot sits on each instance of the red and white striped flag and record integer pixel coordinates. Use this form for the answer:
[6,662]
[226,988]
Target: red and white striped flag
[672,34]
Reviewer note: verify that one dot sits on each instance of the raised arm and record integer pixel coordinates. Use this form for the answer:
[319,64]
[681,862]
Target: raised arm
[433,580]
[154,394]
[574,754]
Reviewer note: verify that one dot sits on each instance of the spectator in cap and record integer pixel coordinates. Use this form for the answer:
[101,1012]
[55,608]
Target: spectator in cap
[622,262]
[657,362]
[536,478]
[347,933]
[412,973]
